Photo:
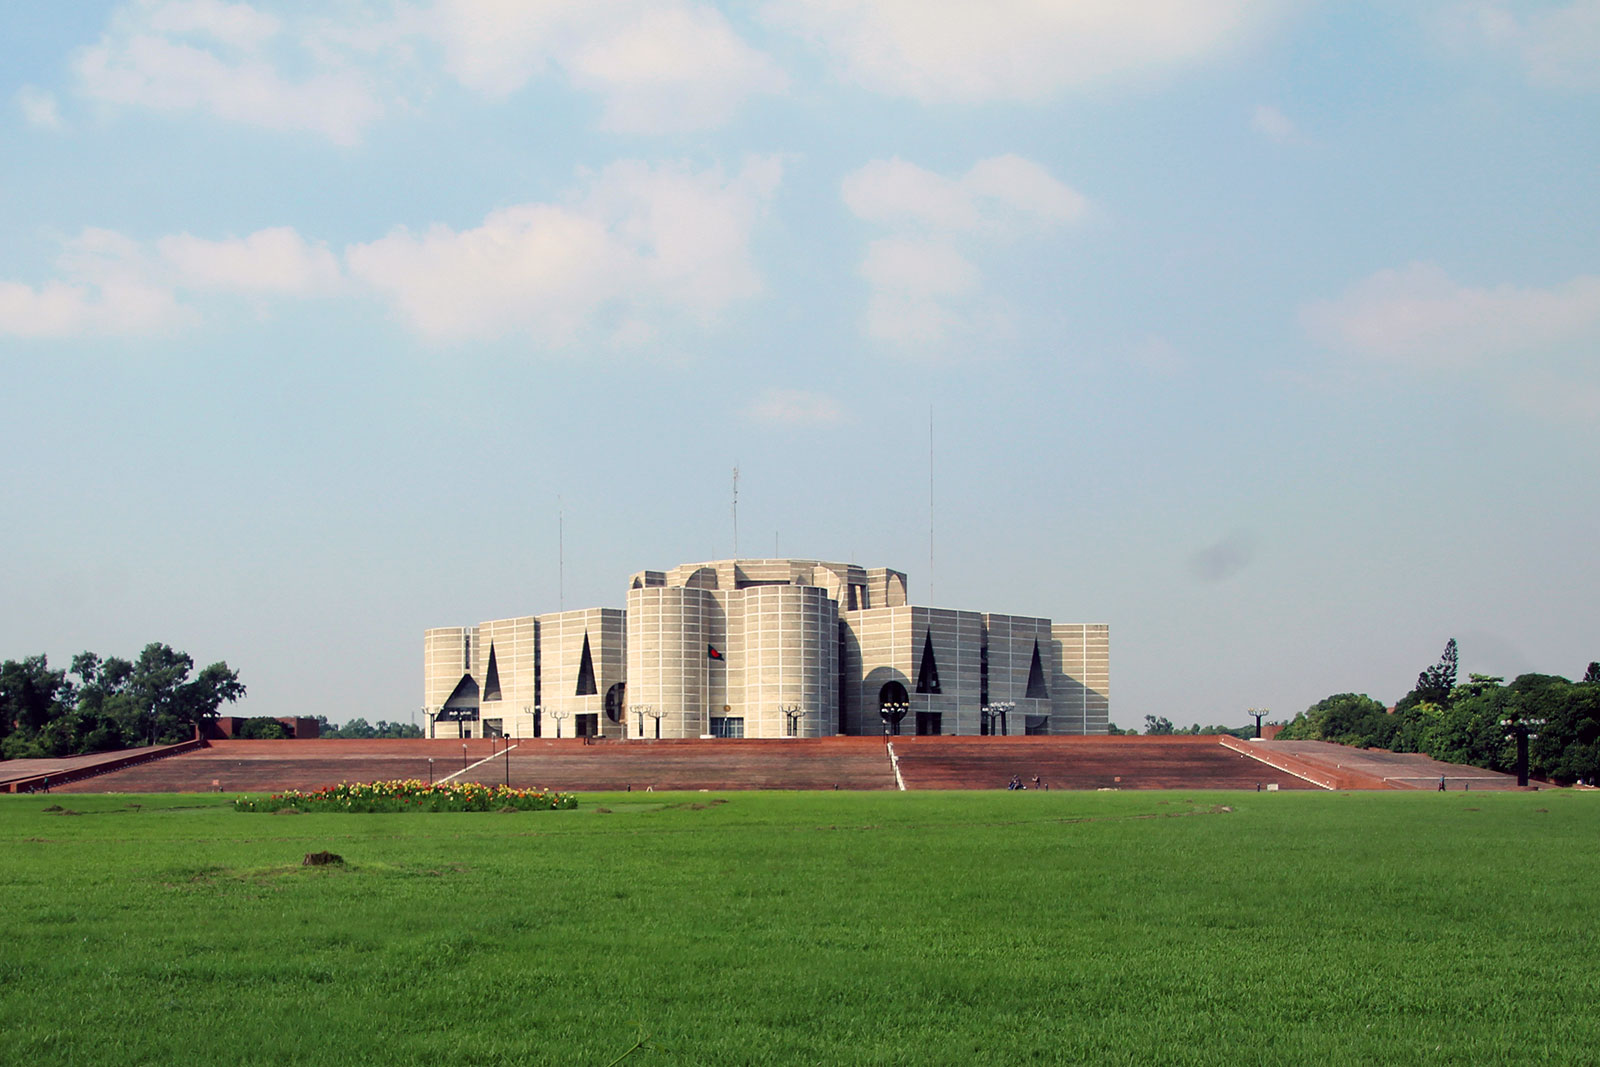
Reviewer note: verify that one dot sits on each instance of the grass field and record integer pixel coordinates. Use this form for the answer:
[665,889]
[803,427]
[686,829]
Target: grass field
[922,928]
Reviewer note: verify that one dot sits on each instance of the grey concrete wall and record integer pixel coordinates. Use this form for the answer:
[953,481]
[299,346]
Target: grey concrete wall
[1081,687]
[824,635]
[561,638]
[669,628]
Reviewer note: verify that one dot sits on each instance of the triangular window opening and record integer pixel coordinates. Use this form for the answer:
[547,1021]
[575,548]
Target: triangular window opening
[1036,687]
[586,686]
[491,678]
[928,672]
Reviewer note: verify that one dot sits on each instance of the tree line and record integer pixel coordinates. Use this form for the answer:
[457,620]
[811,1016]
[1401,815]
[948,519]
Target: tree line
[1161,726]
[269,729]
[1462,722]
[361,729]
[100,705]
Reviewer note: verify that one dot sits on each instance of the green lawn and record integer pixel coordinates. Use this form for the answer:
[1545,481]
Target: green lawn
[1004,928]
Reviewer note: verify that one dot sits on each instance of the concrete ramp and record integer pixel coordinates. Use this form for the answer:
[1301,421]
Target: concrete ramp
[1083,763]
[1334,766]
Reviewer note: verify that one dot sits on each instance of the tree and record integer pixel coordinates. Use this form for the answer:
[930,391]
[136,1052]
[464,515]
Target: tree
[170,705]
[262,728]
[1467,728]
[113,704]
[30,694]
[1438,680]
[1155,725]
[1592,675]
[1345,718]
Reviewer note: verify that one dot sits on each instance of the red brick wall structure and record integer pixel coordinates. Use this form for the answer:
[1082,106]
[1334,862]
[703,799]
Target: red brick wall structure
[1082,762]
[66,773]
[854,763]
[267,766]
[226,727]
[1341,767]
[568,764]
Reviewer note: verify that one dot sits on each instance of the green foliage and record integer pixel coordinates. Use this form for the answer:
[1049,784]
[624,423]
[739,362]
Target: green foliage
[1435,684]
[1196,730]
[115,703]
[1465,727]
[262,729]
[30,695]
[852,928]
[1157,724]
[1346,718]
[410,795]
[361,729]
[1592,675]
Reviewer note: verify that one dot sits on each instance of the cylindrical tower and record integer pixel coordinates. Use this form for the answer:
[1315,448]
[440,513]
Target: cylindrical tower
[668,675]
[791,635]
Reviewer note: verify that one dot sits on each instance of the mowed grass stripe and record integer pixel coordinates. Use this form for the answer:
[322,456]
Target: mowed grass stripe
[808,928]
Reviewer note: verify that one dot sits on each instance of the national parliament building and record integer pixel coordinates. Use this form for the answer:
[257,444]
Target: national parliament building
[766,648]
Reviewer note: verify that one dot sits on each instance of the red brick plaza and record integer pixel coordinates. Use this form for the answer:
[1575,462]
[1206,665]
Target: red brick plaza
[827,763]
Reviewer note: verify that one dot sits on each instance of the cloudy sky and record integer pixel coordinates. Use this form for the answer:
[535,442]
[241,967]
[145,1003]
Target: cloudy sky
[1267,331]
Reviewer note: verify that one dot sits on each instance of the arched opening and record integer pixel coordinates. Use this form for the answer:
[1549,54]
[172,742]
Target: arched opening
[616,702]
[893,703]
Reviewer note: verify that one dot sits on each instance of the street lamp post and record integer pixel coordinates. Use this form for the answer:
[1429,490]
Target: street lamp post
[996,712]
[463,757]
[794,711]
[1258,714]
[650,711]
[1519,730]
[430,770]
[891,714]
[558,714]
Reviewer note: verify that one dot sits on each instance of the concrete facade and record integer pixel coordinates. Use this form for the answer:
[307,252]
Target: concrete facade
[766,648]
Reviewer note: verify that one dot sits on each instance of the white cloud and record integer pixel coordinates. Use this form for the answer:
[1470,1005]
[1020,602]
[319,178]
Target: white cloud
[1272,124]
[658,65]
[111,285]
[275,260]
[931,268]
[636,252]
[38,108]
[795,407]
[675,68]
[640,245]
[956,50]
[235,25]
[206,56]
[59,309]
[110,288]
[1420,316]
[1533,347]
[924,288]
[995,192]
[1558,45]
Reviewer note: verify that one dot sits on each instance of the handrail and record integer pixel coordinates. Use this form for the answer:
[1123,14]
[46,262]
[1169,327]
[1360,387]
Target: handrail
[135,758]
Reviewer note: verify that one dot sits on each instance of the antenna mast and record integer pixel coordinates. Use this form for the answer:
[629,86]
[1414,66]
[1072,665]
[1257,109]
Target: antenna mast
[930,503]
[561,556]
[735,511]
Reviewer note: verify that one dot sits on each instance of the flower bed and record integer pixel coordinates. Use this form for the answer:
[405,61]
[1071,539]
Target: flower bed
[410,795]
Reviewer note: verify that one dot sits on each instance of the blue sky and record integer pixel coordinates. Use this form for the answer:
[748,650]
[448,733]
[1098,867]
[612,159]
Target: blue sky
[1267,331]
